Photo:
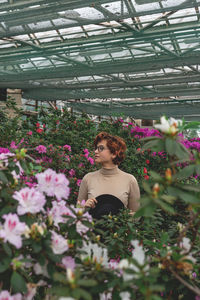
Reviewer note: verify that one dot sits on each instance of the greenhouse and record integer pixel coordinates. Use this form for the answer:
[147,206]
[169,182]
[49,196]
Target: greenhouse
[99,149]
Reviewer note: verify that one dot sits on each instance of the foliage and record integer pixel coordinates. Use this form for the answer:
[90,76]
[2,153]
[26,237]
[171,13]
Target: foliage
[52,249]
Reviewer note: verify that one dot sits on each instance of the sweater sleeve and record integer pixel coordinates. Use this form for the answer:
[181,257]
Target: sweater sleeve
[83,190]
[134,195]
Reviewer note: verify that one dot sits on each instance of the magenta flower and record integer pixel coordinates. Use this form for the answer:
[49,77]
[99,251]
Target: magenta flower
[78,182]
[80,165]
[12,230]
[13,145]
[86,152]
[41,149]
[30,201]
[59,244]
[29,132]
[4,150]
[68,147]
[72,172]
[91,160]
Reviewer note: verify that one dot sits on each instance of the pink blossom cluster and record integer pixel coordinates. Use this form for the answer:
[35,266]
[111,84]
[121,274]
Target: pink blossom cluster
[90,159]
[139,132]
[4,150]
[68,147]
[53,184]
[41,149]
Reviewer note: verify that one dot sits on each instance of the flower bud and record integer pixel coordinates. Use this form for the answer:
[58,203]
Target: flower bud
[156,189]
[168,174]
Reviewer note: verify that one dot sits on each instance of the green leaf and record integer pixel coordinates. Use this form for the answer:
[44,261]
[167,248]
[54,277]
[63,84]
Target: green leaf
[155,176]
[166,207]
[3,177]
[7,249]
[87,282]
[170,146]
[185,172]
[18,283]
[4,264]
[155,145]
[80,293]
[181,151]
[145,211]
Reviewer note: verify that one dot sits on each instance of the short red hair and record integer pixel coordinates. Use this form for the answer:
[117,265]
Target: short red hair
[115,144]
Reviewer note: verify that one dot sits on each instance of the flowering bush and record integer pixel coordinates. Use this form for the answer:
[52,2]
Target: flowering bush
[51,249]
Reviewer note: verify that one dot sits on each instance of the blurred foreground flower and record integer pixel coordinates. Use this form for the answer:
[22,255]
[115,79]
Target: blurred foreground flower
[169,126]
[12,230]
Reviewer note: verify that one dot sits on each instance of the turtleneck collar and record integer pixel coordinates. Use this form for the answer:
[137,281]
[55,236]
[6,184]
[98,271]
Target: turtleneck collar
[106,171]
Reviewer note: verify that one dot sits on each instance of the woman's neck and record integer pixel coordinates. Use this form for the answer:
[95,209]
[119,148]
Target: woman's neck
[109,166]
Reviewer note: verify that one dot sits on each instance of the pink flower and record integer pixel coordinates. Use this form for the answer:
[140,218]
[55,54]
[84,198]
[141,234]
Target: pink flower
[59,244]
[53,184]
[147,162]
[41,149]
[68,262]
[78,182]
[146,177]
[72,172]
[5,295]
[80,165]
[86,152]
[67,147]
[39,130]
[61,187]
[37,125]
[29,132]
[145,170]
[46,181]
[91,160]
[30,201]
[81,228]
[58,210]
[12,230]
[13,145]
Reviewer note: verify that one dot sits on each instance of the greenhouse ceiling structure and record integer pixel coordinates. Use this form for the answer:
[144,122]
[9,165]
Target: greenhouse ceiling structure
[138,57]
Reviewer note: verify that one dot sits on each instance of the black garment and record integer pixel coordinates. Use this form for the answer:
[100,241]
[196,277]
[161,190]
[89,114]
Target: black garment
[106,204]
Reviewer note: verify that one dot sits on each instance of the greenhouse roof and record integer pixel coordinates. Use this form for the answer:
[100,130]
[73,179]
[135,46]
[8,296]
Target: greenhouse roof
[130,50]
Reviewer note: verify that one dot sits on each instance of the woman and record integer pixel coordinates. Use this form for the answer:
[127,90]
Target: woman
[109,181]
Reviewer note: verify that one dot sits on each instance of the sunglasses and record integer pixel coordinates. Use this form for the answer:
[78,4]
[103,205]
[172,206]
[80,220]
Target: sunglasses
[100,148]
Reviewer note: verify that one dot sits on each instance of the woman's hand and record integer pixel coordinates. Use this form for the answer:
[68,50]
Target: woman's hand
[91,203]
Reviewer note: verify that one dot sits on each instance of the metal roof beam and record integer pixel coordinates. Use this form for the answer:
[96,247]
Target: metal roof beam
[119,66]
[65,94]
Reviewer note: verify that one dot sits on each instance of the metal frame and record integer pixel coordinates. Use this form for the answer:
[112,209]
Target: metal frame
[108,49]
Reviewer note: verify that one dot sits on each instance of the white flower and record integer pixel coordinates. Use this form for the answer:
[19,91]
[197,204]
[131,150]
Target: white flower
[80,228]
[12,230]
[58,210]
[169,126]
[185,245]
[59,244]
[138,252]
[125,296]
[95,253]
[53,184]
[30,201]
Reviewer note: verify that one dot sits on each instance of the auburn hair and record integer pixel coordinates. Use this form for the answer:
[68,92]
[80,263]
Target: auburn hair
[115,144]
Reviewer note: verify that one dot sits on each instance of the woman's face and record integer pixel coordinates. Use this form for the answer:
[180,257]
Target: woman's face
[103,154]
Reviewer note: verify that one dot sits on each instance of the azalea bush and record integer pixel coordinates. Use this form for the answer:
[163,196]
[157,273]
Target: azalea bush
[52,249]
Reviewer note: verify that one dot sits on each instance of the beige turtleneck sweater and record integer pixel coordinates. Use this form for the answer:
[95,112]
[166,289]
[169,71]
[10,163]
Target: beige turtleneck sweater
[111,181]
